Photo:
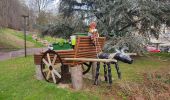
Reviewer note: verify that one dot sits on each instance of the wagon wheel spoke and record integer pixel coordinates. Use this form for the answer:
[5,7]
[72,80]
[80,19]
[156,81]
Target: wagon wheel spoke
[56,65]
[56,73]
[48,75]
[45,70]
[51,66]
[48,57]
[54,80]
[46,62]
[54,59]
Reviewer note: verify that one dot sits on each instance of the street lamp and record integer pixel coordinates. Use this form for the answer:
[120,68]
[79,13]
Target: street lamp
[25,21]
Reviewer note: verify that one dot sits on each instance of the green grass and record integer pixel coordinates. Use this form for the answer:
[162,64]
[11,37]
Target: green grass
[53,40]
[133,72]
[17,82]
[161,54]
[9,41]
[20,35]
[13,40]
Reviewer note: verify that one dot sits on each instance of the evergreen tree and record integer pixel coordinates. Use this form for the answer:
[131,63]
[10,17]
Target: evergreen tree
[119,19]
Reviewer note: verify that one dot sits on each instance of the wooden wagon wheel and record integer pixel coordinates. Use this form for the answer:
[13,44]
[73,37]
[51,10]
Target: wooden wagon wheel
[51,64]
[87,68]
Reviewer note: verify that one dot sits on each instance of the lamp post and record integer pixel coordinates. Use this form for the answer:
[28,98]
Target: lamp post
[25,21]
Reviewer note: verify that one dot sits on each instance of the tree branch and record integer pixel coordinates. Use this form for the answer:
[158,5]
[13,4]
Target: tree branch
[130,24]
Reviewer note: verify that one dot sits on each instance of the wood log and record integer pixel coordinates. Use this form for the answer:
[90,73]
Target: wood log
[94,65]
[91,59]
[38,74]
[76,77]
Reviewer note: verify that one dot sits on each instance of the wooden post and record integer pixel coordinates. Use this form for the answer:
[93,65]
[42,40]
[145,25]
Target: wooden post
[38,75]
[65,74]
[94,65]
[25,26]
[76,77]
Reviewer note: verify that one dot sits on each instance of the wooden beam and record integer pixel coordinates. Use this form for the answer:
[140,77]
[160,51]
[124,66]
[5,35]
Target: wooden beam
[90,59]
[76,77]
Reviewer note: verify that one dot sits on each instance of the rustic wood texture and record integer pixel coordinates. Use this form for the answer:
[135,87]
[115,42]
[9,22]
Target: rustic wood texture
[94,65]
[38,74]
[83,49]
[90,60]
[77,77]
[86,49]
[62,53]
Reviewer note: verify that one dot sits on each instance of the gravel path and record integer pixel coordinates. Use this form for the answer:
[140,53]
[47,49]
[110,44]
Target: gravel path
[19,53]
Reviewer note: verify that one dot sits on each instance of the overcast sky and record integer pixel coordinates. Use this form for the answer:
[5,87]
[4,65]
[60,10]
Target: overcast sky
[52,7]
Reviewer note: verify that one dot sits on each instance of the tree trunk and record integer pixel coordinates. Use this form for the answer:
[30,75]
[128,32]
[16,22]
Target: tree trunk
[76,77]
[94,65]
[38,75]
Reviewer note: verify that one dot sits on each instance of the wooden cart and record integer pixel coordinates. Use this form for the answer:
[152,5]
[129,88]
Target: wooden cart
[54,64]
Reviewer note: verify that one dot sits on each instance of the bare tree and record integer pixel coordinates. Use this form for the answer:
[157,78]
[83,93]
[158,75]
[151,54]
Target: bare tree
[39,8]
[39,5]
[11,11]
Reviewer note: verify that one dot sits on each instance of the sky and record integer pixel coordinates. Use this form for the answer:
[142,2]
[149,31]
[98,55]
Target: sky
[52,7]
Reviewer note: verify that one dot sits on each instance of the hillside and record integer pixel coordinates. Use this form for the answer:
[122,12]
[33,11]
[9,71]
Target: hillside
[12,40]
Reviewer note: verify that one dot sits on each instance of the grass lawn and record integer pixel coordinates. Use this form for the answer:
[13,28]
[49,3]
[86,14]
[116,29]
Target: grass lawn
[17,81]
[20,35]
[12,40]
[132,72]
[156,68]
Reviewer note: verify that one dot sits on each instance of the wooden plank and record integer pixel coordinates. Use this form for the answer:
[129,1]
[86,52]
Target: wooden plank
[51,57]
[76,47]
[87,56]
[88,47]
[88,52]
[89,41]
[91,59]
[65,56]
[87,37]
[83,48]
[88,44]
[37,58]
